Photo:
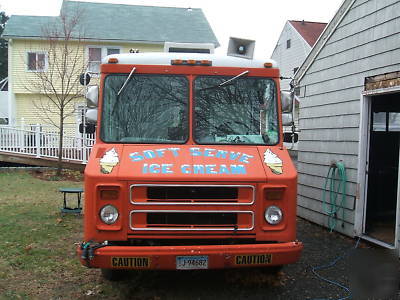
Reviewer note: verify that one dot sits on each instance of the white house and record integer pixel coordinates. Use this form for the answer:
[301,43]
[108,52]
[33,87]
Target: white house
[294,44]
[350,113]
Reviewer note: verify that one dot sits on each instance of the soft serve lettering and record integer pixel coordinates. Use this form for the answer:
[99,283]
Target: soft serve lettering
[234,162]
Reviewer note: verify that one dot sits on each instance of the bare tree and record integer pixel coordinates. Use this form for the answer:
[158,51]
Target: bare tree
[56,73]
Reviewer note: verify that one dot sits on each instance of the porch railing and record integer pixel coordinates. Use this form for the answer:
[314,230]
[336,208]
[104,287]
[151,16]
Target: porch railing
[42,142]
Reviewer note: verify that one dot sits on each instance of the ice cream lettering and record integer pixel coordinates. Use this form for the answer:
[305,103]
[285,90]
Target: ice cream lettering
[273,162]
[109,161]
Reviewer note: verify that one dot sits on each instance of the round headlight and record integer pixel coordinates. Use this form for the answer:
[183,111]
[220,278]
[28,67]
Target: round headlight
[109,214]
[273,215]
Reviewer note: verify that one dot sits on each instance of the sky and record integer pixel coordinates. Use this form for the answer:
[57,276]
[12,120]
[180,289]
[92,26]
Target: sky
[259,20]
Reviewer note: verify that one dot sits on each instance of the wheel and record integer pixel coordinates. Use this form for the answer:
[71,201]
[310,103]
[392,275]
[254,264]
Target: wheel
[113,275]
[276,269]
[272,270]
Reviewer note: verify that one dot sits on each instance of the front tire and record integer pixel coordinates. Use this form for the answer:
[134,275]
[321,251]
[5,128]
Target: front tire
[113,275]
[272,270]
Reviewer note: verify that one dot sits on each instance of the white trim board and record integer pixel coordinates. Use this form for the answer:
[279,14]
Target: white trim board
[362,178]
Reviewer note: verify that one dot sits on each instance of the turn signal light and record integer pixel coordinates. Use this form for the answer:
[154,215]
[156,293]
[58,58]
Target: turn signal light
[109,194]
[206,62]
[113,60]
[191,62]
[176,62]
[274,193]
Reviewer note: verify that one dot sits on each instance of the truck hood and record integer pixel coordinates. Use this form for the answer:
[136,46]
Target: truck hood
[187,162]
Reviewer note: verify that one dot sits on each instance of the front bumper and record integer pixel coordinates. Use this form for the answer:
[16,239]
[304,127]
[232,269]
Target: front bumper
[218,256]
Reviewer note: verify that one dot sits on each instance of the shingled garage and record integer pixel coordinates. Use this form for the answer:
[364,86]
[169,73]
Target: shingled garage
[350,113]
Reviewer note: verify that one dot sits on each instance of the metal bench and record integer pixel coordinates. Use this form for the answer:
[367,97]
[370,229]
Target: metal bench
[78,192]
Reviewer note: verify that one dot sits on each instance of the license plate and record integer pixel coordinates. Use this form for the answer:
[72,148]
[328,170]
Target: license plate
[191,262]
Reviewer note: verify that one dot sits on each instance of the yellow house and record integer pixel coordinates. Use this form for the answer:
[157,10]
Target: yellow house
[98,29]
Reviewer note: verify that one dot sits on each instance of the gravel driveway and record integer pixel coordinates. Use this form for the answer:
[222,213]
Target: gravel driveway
[294,281]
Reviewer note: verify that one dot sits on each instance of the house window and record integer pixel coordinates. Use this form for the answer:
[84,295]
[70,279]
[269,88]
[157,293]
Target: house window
[95,54]
[288,44]
[94,60]
[37,61]
[113,51]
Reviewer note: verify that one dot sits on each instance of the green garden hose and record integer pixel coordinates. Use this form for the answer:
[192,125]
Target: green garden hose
[336,179]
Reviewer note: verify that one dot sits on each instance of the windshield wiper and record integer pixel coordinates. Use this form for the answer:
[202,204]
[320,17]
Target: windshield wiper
[226,81]
[126,81]
[121,89]
[234,78]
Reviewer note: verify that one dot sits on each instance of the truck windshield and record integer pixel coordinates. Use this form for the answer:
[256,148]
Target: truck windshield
[149,109]
[241,112]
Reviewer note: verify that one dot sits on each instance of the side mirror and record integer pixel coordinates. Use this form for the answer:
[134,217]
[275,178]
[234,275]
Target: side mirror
[84,79]
[92,96]
[89,128]
[91,115]
[289,137]
[287,108]
[287,119]
[286,102]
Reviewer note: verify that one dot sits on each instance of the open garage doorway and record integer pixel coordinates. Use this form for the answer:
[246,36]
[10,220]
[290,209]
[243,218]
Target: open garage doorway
[382,169]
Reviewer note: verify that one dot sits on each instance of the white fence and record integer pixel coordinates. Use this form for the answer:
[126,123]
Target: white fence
[42,142]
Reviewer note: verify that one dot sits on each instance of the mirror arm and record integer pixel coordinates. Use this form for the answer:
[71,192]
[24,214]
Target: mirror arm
[292,92]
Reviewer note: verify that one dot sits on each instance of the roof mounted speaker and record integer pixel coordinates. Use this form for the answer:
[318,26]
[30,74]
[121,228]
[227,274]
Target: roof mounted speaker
[241,48]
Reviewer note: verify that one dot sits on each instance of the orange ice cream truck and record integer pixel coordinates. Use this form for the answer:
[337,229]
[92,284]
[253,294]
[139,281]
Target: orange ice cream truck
[189,170]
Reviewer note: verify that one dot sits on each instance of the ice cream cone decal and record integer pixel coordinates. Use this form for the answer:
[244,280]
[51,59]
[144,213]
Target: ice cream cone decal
[273,162]
[109,161]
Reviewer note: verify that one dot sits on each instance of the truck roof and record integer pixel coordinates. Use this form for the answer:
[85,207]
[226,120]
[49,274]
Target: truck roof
[164,58]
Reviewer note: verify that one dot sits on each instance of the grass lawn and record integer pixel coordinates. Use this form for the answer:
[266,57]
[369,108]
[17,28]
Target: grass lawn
[37,247]
[38,260]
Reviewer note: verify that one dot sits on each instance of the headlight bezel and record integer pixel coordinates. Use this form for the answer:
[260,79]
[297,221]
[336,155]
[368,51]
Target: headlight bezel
[268,213]
[112,210]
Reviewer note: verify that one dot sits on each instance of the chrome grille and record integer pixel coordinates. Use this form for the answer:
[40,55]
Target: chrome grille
[185,226]
[196,193]
[154,207]
[170,194]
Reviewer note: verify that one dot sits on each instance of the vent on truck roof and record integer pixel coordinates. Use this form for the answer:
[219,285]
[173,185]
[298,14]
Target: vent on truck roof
[207,48]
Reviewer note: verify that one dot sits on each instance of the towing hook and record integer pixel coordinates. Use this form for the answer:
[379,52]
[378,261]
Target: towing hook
[89,248]
[84,255]
[91,253]
[85,248]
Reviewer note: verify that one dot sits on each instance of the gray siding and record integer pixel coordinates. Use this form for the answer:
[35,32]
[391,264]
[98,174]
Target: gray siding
[365,43]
